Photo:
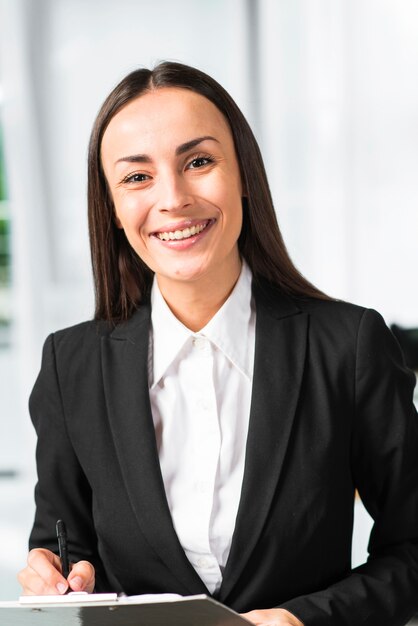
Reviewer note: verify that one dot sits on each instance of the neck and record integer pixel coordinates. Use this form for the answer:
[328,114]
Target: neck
[195,303]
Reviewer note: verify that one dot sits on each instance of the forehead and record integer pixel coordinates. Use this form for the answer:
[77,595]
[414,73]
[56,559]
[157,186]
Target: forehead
[165,115]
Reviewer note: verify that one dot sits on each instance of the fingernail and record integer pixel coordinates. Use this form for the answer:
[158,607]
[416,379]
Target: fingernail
[77,582]
[62,588]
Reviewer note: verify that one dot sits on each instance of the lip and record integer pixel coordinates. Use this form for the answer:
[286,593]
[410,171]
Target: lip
[173,226]
[183,244]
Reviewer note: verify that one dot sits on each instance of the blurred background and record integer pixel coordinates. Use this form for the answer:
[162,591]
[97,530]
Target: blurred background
[330,88]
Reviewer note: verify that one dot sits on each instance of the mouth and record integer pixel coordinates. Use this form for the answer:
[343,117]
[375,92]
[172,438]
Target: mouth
[181,233]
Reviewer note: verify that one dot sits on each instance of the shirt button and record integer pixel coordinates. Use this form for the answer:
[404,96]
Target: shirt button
[201,343]
[203,405]
[203,562]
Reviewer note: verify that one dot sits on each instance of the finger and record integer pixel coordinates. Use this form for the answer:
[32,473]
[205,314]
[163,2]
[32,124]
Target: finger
[261,618]
[251,616]
[46,567]
[272,617]
[33,584]
[42,575]
[82,577]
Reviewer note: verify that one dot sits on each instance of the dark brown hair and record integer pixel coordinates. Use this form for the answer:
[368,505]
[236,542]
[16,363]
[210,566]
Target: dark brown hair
[121,278]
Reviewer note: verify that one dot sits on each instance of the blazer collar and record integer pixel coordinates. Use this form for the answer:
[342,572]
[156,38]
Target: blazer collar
[281,337]
[125,376]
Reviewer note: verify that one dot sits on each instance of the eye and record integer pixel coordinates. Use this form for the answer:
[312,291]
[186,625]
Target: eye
[135,178]
[199,162]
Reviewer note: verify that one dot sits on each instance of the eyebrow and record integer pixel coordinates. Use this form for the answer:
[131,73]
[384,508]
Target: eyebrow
[181,149]
[184,147]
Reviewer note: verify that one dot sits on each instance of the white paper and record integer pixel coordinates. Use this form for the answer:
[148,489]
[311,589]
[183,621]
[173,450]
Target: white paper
[69,598]
[153,598]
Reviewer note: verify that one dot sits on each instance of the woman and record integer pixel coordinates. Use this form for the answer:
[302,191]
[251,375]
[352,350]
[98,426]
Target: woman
[206,433]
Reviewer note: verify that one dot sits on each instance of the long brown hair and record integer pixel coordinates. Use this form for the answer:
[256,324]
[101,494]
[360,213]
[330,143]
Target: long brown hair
[121,278]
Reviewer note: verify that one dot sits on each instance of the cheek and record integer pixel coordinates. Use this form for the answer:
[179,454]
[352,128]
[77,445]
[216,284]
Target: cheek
[234,212]
[227,197]
[130,215]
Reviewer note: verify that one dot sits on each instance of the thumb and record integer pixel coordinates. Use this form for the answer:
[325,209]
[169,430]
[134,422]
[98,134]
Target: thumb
[82,577]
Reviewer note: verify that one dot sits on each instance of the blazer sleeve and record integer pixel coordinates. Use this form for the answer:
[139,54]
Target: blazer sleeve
[384,590]
[62,490]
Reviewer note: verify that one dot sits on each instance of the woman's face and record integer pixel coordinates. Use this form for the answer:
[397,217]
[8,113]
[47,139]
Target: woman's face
[170,163]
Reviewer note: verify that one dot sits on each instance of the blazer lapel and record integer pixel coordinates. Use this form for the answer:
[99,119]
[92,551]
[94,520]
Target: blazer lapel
[281,334]
[125,374]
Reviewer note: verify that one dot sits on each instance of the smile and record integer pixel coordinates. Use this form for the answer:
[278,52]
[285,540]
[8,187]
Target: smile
[184,233]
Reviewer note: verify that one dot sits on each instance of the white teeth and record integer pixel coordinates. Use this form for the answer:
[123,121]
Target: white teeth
[182,234]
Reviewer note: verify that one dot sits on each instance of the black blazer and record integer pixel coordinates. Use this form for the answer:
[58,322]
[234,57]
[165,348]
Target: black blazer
[331,412]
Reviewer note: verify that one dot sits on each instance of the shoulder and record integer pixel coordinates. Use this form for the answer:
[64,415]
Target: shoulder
[94,329]
[330,309]
[76,347]
[340,319]
[84,336]
[358,338]
[343,315]
[355,330]
[336,314]
[334,323]
[326,312]
[84,340]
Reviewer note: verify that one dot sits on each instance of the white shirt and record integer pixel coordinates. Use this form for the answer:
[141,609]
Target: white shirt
[200,391]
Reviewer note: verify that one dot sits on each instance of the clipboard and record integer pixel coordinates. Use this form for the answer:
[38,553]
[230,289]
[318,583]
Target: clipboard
[197,610]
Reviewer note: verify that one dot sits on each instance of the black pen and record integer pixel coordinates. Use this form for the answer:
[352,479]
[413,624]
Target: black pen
[63,548]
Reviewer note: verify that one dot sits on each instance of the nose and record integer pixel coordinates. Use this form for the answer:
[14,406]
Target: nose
[172,193]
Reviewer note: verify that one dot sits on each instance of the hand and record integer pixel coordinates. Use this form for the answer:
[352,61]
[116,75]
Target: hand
[272,617]
[42,575]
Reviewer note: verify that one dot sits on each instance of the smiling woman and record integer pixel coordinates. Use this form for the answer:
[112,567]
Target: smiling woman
[219,411]
[197,125]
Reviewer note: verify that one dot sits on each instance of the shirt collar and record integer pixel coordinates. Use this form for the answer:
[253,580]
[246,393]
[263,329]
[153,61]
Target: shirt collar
[168,336]
[227,330]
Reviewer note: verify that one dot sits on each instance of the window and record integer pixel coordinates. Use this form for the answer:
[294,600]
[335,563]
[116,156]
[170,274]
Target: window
[5,273]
